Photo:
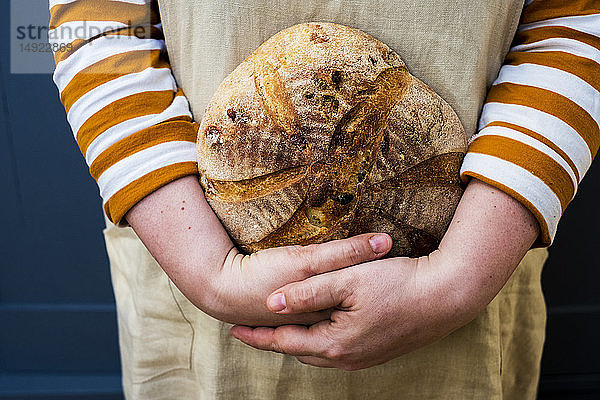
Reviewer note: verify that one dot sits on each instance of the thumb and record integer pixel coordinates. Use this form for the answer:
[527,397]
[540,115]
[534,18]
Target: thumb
[336,254]
[315,293]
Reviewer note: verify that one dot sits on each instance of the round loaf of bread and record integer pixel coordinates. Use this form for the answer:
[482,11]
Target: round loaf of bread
[322,133]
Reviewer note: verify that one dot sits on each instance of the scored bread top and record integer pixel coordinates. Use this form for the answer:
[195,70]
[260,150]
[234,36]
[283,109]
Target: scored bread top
[322,132]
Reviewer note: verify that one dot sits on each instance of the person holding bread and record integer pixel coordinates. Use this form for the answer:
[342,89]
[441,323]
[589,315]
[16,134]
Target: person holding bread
[337,319]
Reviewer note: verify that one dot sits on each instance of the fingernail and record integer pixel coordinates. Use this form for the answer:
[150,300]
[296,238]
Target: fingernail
[277,302]
[379,243]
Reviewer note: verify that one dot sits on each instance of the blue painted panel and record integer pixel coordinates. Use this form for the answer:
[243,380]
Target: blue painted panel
[59,337]
[60,387]
[54,232]
[56,306]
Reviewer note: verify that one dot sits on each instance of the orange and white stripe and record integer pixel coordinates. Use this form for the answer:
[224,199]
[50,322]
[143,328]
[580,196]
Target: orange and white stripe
[128,117]
[538,132]
[540,126]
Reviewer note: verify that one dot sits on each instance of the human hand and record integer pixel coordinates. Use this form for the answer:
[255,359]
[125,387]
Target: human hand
[389,307]
[182,233]
[242,285]
[382,309]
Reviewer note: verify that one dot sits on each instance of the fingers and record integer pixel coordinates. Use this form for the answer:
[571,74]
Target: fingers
[316,293]
[295,340]
[296,319]
[316,361]
[336,254]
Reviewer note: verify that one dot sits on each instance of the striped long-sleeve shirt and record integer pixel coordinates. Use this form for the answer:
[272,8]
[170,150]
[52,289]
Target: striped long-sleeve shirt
[131,122]
[539,128]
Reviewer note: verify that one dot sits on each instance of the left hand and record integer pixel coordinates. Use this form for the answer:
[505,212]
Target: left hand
[382,309]
[386,308]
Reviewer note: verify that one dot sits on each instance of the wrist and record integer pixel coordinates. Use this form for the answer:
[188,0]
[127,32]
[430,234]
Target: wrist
[487,238]
[220,286]
[464,289]
[441,293]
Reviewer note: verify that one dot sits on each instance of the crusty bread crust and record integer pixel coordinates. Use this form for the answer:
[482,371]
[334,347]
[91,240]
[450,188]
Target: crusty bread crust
[323,133]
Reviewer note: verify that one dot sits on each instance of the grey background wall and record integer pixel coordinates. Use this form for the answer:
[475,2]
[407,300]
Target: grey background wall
[57,317]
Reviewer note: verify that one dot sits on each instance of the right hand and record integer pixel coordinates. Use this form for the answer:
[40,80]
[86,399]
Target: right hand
[240,288]
[183,234]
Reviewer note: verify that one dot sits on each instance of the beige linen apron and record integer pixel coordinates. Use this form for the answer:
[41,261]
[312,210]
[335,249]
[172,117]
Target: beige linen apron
[171,350]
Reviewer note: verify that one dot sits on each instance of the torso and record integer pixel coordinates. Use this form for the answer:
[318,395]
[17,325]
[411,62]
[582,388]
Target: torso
[456,47]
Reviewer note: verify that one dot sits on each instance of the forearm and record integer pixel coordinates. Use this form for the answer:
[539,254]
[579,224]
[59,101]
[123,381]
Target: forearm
[183,234]
[487,238]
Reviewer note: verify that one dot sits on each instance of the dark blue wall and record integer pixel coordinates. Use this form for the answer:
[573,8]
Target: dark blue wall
[57,317]
[57,313]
